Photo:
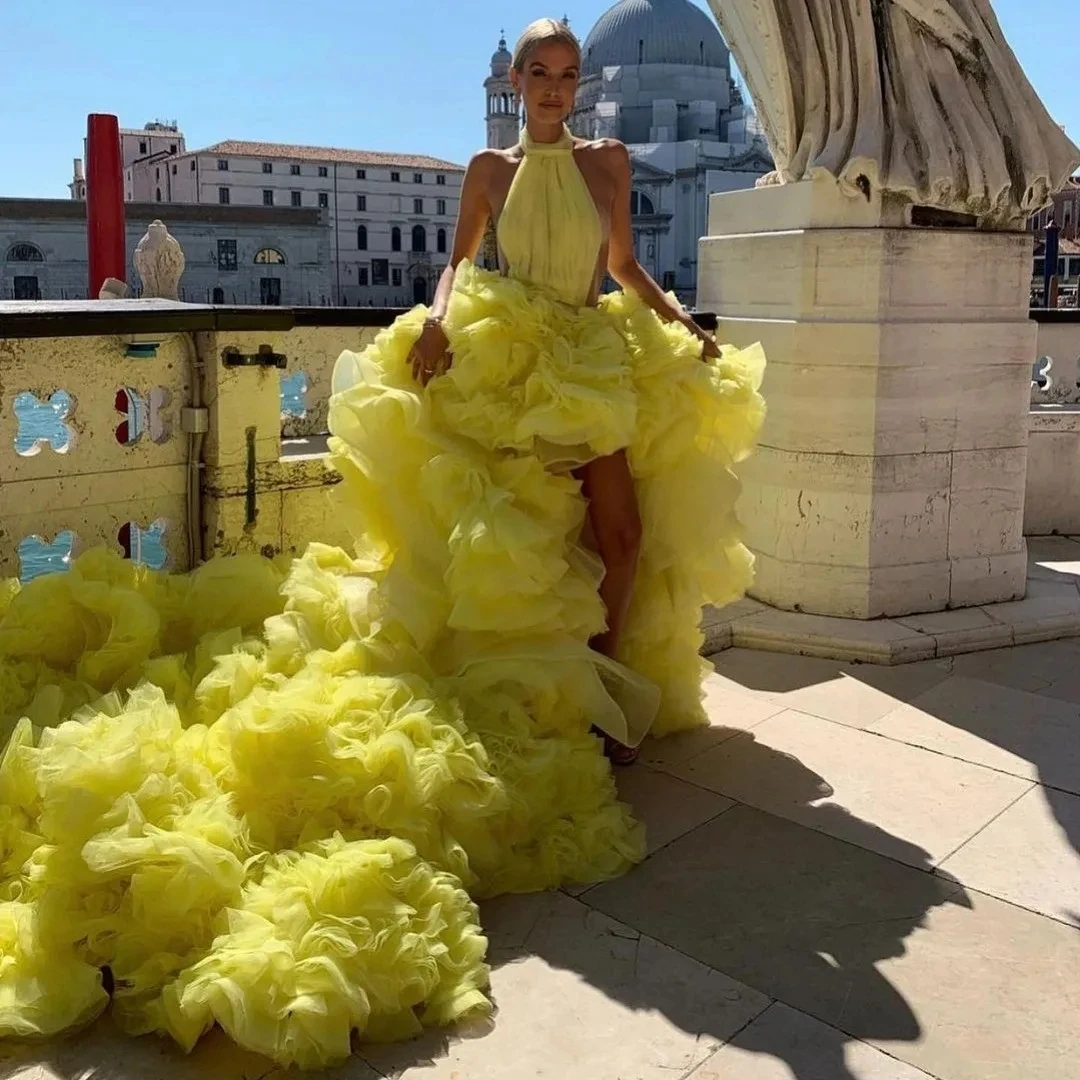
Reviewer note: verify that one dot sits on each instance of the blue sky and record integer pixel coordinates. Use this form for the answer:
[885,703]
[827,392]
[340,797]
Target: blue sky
[399,75]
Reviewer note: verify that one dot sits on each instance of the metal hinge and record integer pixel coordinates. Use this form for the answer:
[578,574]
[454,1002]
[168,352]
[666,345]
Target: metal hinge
[265,357]
[194,421]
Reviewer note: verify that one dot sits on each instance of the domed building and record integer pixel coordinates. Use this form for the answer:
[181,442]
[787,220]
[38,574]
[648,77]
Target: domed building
[656,74]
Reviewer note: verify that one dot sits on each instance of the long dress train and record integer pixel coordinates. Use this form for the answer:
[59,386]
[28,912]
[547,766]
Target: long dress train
[266,796]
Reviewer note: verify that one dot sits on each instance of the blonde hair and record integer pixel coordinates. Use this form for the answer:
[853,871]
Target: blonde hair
[539,33]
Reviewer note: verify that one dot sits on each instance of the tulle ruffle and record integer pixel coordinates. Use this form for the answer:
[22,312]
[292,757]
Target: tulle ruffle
[266,796]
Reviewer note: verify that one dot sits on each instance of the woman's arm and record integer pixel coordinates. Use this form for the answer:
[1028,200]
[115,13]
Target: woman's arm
[429,355]
[622,261]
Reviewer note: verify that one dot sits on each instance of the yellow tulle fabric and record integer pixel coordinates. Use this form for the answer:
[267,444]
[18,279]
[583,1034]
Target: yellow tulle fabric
[266,796]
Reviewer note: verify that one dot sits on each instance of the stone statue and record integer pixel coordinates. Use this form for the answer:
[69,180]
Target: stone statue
[159,260]
[921,99]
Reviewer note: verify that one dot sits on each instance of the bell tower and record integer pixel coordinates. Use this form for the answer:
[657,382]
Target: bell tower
[503,106]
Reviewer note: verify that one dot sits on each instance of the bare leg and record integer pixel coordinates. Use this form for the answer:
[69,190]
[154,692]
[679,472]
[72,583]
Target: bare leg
[616,528]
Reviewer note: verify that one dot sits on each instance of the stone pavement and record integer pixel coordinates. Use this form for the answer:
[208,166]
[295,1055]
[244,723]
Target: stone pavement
[857,873]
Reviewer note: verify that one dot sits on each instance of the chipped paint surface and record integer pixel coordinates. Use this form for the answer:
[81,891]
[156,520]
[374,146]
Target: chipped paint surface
[109,476]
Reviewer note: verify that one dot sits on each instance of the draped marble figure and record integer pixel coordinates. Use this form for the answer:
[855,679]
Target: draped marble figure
[923,99]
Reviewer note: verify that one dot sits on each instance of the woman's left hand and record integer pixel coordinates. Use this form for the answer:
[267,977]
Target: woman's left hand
[710,350]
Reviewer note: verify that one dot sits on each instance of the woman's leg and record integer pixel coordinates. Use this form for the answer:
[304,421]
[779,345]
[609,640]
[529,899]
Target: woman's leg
[616,533]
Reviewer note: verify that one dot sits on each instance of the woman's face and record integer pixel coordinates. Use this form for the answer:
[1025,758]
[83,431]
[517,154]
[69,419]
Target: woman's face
[549,82]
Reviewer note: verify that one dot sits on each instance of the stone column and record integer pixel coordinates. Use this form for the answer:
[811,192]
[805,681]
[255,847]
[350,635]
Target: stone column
[890,476]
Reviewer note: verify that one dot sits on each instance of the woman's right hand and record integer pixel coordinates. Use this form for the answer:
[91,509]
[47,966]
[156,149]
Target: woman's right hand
[430,355]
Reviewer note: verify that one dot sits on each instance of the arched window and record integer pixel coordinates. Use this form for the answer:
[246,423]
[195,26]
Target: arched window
[440,241]
[24,253]
[269,256]
[157,195]
[640,203]
[219,295]
[395,238]
[361,237]
[419,238]
[506,103]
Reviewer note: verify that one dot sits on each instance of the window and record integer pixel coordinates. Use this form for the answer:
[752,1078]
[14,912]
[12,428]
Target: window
[419,238]
[297,199]
[418,206]
[223,196]
[440,206]
[361,202]
[172,148]
[157,195]
[268,197]
[361,174]
[174,170]
[417,177]
[270,291]
[361,237]
[27,287]
[25,253]
[142,148]
[323,171]
[440,180]
[223,165]
[1040,267]
[380,271]
[193,165]
[440,241]
[395,239]
[219,295]
[324,200]
[294,170]
[362,275]
[157,173]
[640,203]
[395,178]
[269,256]
[226,254]
[396,276]
[268,166]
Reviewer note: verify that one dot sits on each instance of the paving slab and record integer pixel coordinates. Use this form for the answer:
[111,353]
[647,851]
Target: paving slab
[835,778]
[783,1043]
[1029,856]
[582,996]
[960,985]
[1028,735]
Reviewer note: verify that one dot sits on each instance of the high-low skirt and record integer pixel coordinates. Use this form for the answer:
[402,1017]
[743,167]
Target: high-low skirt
[266,796]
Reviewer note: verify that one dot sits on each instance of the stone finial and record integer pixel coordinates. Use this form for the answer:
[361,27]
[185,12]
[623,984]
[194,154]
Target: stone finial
[114,289]
[918,99]
[159,259]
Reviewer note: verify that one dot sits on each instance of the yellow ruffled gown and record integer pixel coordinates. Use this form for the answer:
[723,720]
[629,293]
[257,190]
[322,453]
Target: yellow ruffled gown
[264,796]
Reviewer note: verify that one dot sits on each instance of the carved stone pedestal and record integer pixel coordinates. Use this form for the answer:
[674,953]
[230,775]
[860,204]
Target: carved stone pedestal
[890,476]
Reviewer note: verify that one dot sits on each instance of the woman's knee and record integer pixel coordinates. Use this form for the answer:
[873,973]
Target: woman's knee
[620,541]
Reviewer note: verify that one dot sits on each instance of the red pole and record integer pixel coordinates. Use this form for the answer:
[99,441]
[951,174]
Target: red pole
[106,239]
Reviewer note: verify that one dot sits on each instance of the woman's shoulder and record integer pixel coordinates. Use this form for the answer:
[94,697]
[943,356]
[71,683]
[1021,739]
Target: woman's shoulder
[610,151]
[490,160]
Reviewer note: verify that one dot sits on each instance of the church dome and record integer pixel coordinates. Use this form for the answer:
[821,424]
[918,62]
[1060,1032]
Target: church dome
[653,32]
[501,58]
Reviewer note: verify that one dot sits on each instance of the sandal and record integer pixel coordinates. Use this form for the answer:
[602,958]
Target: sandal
[619,755]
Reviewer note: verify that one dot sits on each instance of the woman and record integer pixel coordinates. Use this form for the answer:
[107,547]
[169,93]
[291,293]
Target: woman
[596,176]
[273,800]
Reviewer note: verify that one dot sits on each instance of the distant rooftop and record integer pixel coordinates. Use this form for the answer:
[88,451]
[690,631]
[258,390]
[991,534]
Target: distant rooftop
[240,148]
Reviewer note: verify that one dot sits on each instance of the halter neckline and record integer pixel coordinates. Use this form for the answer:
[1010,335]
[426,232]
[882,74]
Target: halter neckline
[563,145]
